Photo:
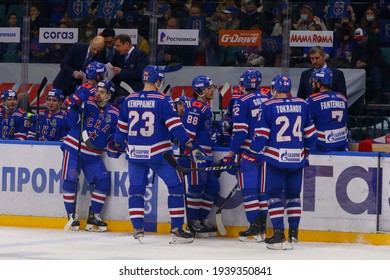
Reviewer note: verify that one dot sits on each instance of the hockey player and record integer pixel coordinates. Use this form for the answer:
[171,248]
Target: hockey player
[285,134]
[98,120]
[52,125]
[180,104]
[329,112]
[147,122]
[245,114]
[14,122]
[203,186]
[94,73]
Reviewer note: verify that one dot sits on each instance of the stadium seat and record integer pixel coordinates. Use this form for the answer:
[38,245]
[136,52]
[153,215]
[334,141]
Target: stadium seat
[19,10]
[3,15]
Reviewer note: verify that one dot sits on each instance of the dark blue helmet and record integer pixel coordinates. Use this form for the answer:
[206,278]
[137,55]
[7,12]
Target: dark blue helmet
[56,93]
[94,69]
[251,79]
[274,81]
[282,84]
[182,99]
[152,74]
[323,75]
[8,93]
[201,82]
[108,85]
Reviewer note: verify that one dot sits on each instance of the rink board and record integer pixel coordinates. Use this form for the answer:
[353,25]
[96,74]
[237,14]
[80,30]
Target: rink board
[339,197]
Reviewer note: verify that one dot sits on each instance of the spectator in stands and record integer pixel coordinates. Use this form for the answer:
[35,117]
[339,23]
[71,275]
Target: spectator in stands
[37,18]
[38,52]
[58,51]
[87,32]
[370,23]
[383,8]
[74,63]
[250,15]
[11,52]
[167,54]
[317,57]
[307,18]
[342,49]
[367,55]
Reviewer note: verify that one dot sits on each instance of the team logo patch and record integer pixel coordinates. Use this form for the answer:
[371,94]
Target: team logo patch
[338,7]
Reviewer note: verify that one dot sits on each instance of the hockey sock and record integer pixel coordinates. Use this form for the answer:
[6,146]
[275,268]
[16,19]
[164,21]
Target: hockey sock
[206,203]
[193,201]
[68,195]
[137,210]
[176,205]
[276,212]
[97,201]
[251,204]
[293,209]
[263,201]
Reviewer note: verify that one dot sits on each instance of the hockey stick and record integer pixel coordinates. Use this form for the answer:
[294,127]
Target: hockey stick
[172,161]
[41,86]
[78,170]
[218,214]
[126,87]
[166,88]
[88,142]
[225,88]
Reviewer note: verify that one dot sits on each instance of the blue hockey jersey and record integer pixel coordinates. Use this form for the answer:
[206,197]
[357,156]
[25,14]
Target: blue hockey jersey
[329,112]
[100,123]
[198,122]
[246,110]
[52,127]
[14,126]
[147,122]
[283,131]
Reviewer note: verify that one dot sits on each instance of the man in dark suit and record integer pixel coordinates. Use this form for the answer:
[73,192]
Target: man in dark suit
[74,63]
[317,57]
[128,63]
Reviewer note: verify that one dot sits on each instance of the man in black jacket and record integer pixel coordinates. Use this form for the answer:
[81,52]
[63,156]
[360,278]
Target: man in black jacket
[317,57]
[74,63]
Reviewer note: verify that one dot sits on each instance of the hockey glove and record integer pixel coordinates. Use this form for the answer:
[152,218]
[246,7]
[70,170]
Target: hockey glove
[248,161]
[197,154]
[230,161]
[113,151]
[306,159]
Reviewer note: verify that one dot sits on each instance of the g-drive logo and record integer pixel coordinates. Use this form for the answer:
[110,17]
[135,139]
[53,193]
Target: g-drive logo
[178,37]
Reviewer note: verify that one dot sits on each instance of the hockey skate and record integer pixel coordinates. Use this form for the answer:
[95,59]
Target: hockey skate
[95,223]
[76,223]
[255,233]
[211,230]
[293,236]
[180,236]
[139,234]
[198,230]
[277,241]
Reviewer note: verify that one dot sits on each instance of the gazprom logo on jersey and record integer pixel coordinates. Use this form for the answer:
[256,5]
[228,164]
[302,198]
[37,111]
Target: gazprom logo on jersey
[58,35]
[9,34]
[188,37]
[291,155]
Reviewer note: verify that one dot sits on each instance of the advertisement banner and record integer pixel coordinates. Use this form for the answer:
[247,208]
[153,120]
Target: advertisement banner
[9,34]
[240,38]
[188,37]
[55,35]
[303,38]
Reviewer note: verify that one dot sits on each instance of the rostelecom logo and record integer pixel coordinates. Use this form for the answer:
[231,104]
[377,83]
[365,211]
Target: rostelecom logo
[162,37]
